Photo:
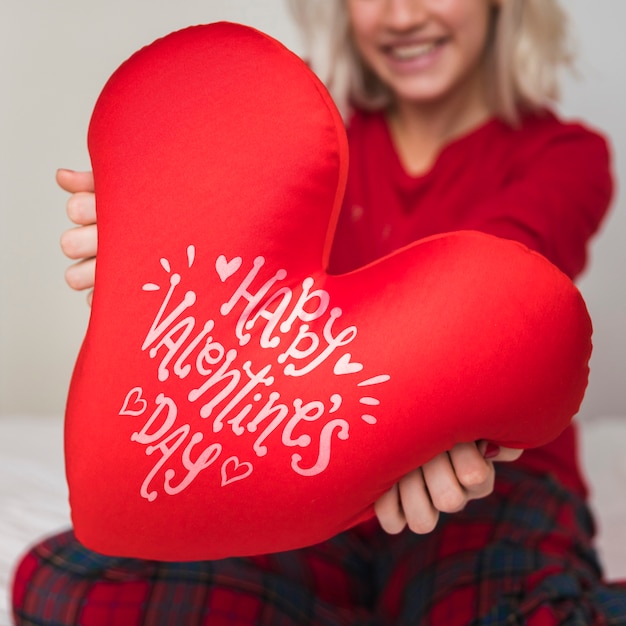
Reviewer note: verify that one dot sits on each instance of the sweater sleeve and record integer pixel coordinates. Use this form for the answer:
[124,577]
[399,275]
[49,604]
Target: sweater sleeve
[556,200]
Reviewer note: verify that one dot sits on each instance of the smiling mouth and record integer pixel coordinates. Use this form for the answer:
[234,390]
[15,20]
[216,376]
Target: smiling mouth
[414,51]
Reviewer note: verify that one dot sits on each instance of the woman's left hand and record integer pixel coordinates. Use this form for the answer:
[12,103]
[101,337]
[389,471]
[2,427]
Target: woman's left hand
[445,484]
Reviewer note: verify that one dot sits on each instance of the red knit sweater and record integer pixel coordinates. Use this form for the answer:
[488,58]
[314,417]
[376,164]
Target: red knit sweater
[546,184]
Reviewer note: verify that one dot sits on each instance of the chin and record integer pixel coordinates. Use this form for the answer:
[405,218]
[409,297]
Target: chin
[421,97]
[417,92]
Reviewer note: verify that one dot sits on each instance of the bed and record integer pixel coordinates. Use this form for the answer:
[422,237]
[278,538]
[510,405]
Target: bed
[33,493]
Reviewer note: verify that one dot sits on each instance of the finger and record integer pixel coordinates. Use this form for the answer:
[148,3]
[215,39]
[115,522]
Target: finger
[419,512]
[446,493]
[507,455]
[475,474]
[72,181]
[80,242]
[81,275]
[493,452]
[90,297]
[389,512]
[81,208]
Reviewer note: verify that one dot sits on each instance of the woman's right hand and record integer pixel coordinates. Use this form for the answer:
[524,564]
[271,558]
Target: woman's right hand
[81,242]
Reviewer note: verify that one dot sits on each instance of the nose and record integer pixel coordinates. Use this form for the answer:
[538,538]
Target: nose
[405,14]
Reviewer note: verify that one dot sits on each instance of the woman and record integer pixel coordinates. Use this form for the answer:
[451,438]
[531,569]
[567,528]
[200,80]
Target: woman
[446,103]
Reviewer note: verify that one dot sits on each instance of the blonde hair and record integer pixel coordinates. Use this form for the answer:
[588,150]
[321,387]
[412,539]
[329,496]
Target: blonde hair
[528,46]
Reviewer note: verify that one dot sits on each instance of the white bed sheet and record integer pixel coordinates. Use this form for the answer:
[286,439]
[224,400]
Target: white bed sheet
[33,493]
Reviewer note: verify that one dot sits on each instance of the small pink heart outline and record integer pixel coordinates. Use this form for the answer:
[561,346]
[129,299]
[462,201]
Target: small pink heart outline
[345,366]
[225,269]
[234,476]
[125,410]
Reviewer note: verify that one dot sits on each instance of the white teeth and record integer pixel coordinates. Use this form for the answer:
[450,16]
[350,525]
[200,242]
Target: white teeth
[409,52]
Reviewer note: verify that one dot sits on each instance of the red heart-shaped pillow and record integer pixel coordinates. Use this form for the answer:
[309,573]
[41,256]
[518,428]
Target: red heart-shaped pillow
[231,397]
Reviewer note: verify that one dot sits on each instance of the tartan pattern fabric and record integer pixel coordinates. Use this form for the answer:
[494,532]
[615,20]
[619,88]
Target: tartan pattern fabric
[522,556]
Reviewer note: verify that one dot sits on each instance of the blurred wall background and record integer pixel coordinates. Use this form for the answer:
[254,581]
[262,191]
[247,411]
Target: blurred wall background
[54,59]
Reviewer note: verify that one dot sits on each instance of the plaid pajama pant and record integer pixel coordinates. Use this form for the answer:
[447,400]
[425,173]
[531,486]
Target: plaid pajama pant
[521,556]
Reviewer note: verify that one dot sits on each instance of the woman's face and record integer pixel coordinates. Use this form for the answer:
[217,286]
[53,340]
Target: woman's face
[423,50]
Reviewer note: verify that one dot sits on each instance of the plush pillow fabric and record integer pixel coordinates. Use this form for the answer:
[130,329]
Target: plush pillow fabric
[231,397]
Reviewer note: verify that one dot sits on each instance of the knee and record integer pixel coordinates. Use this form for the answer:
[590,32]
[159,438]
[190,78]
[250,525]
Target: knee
[37,578]
[22,586]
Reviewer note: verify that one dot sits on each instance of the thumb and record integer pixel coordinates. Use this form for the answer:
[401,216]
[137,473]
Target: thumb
[72,181]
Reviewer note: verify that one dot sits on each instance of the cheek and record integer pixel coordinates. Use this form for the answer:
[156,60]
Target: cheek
[365,44]
[363,18]
[473,34]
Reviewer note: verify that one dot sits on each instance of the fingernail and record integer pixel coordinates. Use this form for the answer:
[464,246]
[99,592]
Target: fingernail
[491,451]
